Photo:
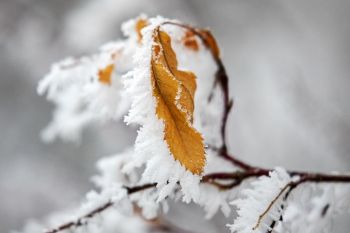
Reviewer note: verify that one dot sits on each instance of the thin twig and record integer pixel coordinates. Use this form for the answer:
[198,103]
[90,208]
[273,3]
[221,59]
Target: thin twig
[261,216]
[81,220]
[256,172]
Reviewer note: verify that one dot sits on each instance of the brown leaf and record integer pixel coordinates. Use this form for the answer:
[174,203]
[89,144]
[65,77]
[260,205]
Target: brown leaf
[210,42]
[190,41]
[140,24]
[174,91]
[105,75]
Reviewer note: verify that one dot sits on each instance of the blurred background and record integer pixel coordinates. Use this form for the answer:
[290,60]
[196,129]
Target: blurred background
[288,63]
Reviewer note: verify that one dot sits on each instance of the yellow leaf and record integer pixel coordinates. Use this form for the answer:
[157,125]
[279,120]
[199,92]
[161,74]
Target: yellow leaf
[105,75]
[174,92]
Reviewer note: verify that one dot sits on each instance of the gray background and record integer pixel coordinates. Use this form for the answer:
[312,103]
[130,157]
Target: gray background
[289,68]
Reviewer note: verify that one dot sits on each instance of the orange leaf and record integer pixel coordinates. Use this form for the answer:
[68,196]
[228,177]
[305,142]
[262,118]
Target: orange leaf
[140,24]
[190,41]
[174,91]
[105,75]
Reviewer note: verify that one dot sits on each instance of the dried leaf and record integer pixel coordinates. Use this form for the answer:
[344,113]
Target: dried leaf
[190,41]
[140,24]
[174,91]
[210,42]
[105,75]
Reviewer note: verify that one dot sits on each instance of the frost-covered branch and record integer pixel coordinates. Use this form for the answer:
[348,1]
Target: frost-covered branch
[83,219]
[168,77]
[235,178]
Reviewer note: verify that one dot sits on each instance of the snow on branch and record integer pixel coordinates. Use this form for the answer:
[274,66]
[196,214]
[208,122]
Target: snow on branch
[168,78]
[261,203]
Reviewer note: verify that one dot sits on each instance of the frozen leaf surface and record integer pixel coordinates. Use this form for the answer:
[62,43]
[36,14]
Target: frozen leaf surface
[174,91]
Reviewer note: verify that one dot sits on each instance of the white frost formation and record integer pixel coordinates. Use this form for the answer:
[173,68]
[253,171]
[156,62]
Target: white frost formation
[265,193]
[82,99]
